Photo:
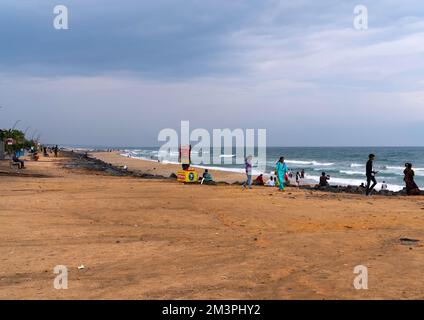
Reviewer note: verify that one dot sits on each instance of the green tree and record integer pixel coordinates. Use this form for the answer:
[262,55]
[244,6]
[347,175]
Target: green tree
[20,142]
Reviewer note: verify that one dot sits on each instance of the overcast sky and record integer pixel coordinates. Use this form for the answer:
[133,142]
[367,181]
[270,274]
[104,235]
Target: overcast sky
[127,69]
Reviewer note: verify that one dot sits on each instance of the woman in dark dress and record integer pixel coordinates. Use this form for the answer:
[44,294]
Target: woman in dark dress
[411,186]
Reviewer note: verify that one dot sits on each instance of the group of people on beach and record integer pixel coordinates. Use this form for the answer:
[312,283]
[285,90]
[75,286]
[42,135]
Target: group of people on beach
[410,185]
[34,155]
[282,174]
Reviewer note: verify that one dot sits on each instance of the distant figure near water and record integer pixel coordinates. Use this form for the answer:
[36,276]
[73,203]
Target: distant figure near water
[323,180]
[280,171]
[248,167]
[384,186]
[411,187]
[370,173]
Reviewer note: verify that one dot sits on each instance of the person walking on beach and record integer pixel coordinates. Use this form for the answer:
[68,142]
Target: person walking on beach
[248,168]
[370,173]
[280,171]
[411,187]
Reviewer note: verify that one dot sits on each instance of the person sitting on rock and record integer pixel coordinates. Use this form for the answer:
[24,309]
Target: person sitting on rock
[323,180]
[207,177]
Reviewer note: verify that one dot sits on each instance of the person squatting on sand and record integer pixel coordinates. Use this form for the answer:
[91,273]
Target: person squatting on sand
[259,181]
[248,168]
[370,173]
[206,178]
[280,171]
[270,182]
[411,187]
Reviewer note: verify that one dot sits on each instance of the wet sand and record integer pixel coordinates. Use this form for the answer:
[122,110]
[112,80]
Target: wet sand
[158,239]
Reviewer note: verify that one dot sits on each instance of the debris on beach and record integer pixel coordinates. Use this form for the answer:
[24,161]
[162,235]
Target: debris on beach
[81,267]
[408,241]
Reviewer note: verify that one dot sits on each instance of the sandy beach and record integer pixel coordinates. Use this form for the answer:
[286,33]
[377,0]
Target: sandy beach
[159,239]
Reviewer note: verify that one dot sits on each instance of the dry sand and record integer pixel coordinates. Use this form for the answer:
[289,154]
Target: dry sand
[158,239]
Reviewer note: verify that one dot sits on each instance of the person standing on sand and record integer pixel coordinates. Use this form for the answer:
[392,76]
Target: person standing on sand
[370,173]
[411,187]
[248,168]
[280,171]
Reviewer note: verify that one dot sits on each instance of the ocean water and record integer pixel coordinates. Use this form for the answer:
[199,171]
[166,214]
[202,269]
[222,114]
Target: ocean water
[345,165]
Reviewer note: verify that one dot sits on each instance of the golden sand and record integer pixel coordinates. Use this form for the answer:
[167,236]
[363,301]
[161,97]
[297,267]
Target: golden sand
[158,239]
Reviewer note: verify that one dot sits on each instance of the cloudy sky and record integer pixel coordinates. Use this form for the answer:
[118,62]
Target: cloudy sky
[127,69]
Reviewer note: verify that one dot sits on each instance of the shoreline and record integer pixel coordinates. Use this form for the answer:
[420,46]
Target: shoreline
[150,166]
[343,175]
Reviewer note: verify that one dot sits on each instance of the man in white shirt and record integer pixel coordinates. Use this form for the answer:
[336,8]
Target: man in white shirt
[384,186]
[270,182]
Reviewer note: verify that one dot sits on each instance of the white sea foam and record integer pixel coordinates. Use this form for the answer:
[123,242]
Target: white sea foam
[356,165]
[394,167]
[350,172]
[226,169]
[309,163]
[402,168]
